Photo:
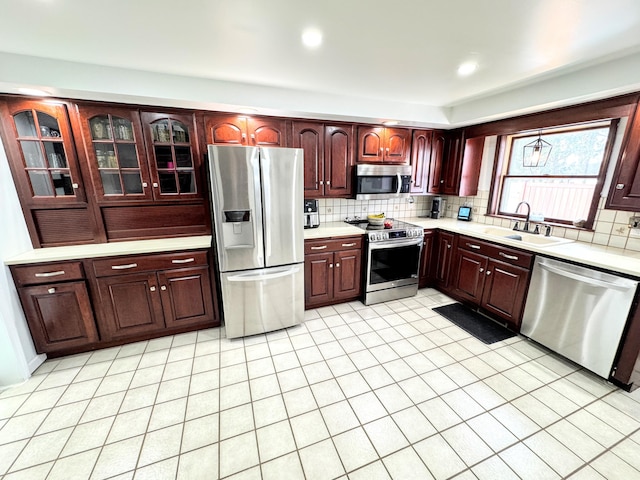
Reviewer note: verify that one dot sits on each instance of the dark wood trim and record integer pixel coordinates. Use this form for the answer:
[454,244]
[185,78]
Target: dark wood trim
[615,107]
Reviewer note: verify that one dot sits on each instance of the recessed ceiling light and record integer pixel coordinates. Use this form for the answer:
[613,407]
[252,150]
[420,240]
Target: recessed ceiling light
[312,38]
[467,68]
[34,91]
[390,123]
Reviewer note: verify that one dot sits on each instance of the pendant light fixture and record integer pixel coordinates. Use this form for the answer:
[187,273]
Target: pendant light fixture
[536,153]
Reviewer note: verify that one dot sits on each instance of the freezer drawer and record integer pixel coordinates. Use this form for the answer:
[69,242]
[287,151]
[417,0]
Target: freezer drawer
[578,312]
[257,301]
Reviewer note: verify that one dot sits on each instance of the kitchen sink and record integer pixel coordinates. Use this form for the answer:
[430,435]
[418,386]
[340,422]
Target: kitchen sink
[526,238]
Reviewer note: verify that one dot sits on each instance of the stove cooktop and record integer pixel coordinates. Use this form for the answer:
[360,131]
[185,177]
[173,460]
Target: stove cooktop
[375,233]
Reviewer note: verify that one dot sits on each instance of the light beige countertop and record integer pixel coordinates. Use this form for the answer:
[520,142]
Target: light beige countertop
[332,229]
[615,259]
[113,249]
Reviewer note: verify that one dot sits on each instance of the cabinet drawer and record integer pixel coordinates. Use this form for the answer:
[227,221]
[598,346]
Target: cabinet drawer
[144,263]
[332,245]
[47,273]
[499,252]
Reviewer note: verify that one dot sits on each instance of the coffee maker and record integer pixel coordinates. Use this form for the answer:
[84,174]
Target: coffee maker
[438,207]
[311,215]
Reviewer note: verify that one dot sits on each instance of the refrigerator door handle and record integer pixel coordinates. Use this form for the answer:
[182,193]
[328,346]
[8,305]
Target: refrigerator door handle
[265,164]
[255,277]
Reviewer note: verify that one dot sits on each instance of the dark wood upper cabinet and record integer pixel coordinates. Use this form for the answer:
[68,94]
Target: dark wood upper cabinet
[45,167]
[114,148]
[624,193]
[174,155]
[338,160]
[383,145]
[328,158]
[42,152]
[309,136]
[230,129]
[459,166]
[420,160]
[435,181]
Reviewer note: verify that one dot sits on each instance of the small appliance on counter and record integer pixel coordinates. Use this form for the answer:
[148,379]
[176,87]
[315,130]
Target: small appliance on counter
[464,213]
[438,207]
[311,215]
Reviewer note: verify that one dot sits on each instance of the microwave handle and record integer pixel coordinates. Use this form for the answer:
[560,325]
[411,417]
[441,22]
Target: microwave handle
[399,184]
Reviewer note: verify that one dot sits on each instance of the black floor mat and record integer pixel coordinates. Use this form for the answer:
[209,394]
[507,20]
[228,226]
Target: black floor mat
[480,327]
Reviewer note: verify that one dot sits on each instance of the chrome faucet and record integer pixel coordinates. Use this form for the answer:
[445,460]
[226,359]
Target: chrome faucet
[526,222]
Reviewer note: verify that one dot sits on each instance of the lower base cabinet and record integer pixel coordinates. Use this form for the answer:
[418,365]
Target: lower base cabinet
[157,298]
[56,303]
[426,271]
[332,271]
[77,306]
[492,277]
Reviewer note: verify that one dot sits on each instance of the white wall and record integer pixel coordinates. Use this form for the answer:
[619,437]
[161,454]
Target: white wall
[18,357]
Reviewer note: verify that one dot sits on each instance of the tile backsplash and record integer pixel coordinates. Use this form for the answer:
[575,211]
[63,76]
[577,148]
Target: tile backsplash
[611,227]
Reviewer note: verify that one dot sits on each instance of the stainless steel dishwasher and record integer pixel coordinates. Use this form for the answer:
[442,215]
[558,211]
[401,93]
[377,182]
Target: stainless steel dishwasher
[578,312]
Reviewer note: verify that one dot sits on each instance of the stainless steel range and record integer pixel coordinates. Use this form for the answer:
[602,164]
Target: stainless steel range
[393,260]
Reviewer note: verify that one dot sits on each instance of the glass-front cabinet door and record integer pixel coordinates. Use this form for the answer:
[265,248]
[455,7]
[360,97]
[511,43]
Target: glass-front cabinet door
[45,147]
[115,148]
[172,149]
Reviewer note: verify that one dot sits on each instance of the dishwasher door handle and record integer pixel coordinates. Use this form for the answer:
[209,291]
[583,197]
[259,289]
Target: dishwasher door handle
[584,279]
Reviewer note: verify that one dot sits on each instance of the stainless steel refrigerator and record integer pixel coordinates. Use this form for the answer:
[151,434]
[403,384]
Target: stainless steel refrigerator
[257,205]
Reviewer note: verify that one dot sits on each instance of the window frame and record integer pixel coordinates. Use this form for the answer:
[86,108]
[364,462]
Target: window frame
[503,158]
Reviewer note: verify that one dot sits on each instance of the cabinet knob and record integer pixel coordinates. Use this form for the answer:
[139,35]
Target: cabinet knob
[619,186]
[387,149]
[145,184]
[337,264]
[328,182]
[321,182]
[155,185]
[481,269]
[441,181]
[51,290]
[488,272]
[152,289]
[163,287]
[331,265]
[75,186]
[448,246]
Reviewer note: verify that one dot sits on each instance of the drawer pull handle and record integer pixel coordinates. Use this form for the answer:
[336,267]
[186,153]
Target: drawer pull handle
[475,247]
[509,257]
[349,244]
[124,267]
[50,274]
[51,290]
[319,248]
[186,260]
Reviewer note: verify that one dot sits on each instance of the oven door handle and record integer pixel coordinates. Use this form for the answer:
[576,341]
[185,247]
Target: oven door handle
[396,243]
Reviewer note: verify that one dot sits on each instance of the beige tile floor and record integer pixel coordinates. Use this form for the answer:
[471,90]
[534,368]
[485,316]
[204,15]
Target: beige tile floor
[388,391]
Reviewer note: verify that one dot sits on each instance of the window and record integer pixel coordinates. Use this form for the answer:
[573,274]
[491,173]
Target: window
[565,190]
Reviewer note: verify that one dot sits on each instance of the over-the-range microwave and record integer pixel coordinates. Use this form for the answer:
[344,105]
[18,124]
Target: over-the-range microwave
[379,182]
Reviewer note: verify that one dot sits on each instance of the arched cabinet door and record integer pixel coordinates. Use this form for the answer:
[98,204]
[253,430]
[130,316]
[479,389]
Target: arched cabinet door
[172,149]
[115,151]
[245,130]
[42,153]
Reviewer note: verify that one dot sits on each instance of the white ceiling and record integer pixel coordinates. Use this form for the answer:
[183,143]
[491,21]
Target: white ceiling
[402,54]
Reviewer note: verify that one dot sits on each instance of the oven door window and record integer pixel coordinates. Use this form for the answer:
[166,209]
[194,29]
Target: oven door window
[394,263]
[378,184]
